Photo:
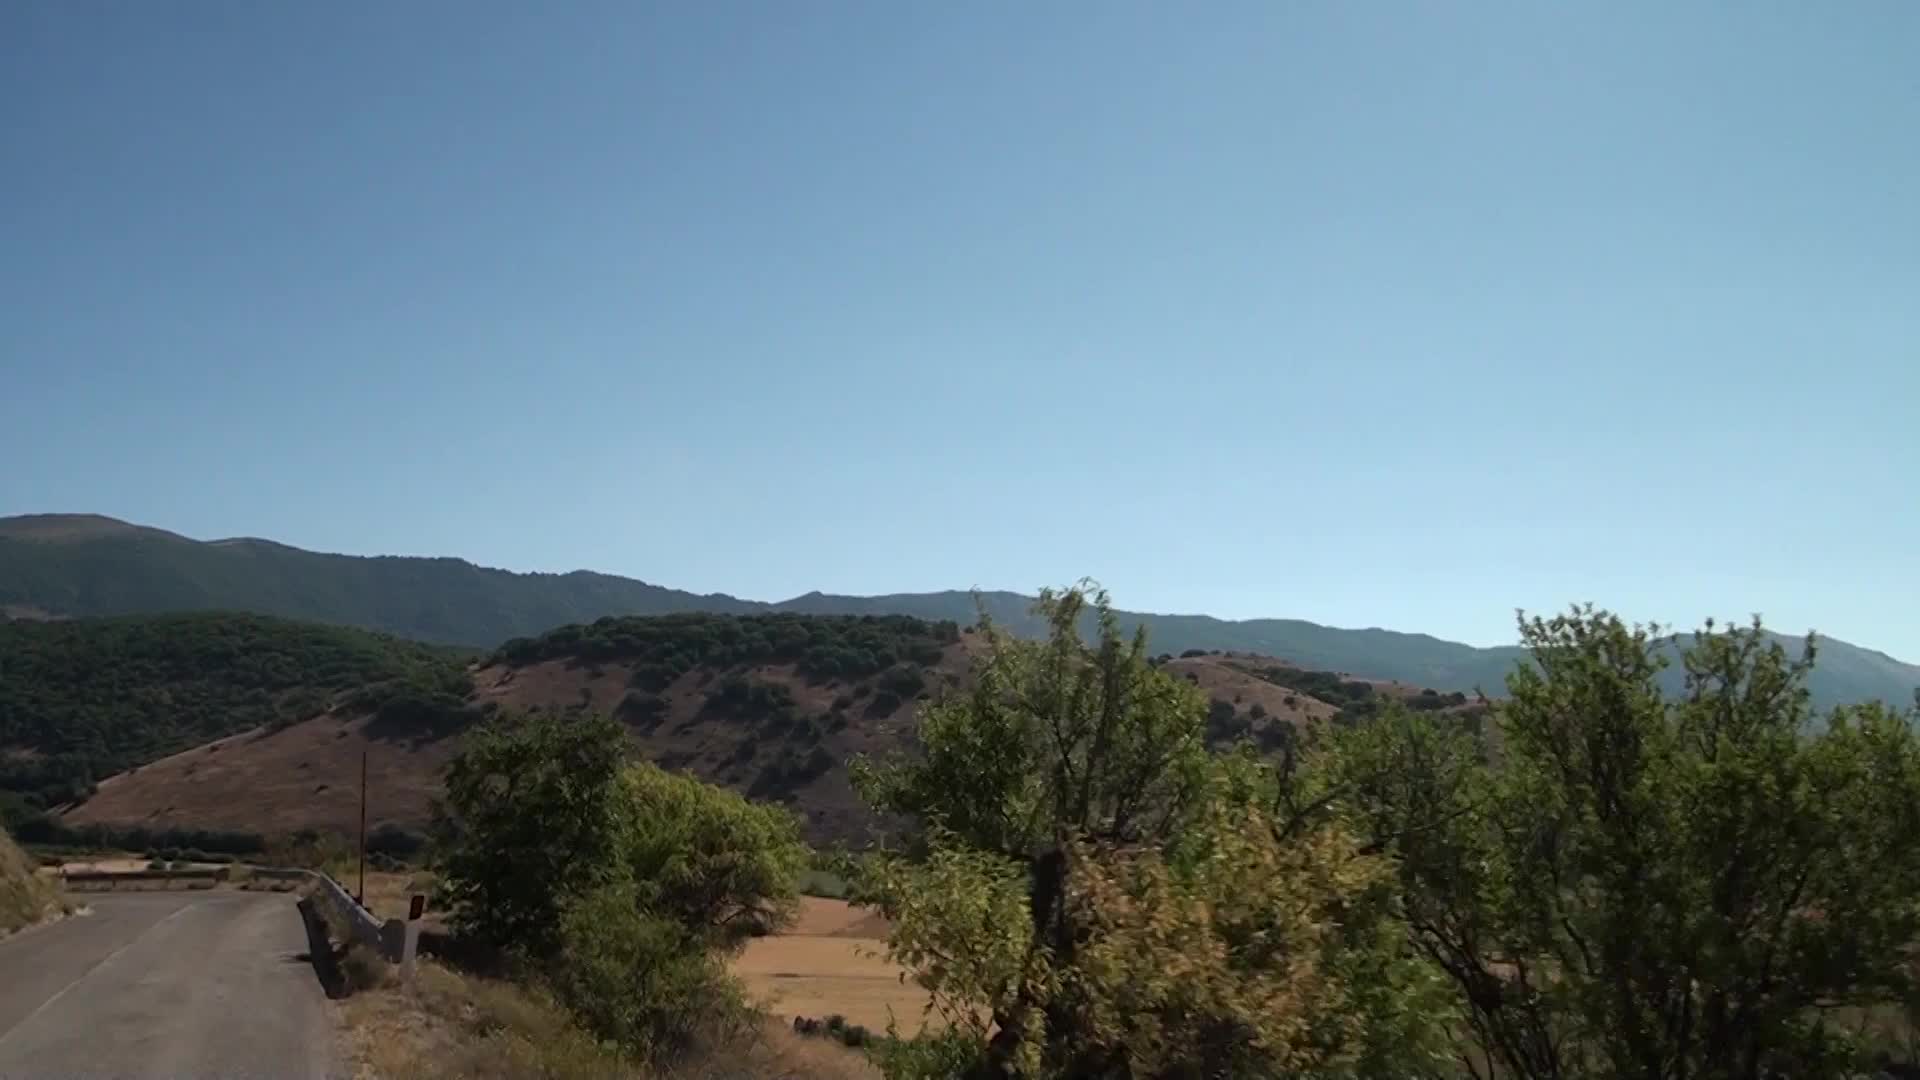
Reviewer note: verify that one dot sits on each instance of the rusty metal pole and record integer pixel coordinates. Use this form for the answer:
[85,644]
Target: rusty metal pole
[362,898]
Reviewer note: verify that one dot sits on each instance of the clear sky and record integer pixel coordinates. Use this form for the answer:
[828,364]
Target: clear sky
[1397,314]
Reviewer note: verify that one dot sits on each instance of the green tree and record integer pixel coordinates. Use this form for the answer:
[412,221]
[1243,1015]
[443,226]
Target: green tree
[643,980]
[532,818]
[623,886]
[1694,886]
[722,868]
[1090,892]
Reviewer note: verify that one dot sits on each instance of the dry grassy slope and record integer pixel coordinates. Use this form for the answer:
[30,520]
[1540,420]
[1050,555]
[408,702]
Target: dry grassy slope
[307,775]
[1221,678]
[25,897]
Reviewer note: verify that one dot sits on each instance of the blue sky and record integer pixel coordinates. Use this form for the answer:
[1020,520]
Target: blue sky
[1399,314]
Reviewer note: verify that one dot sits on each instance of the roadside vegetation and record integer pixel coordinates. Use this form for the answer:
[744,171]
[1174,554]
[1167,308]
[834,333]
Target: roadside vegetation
[26,897]
[1604,881]
[614,887]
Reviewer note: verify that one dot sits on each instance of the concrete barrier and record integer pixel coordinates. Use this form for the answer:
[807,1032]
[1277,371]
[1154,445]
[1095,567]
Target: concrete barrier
[280,873]
[110,879]
[355,920]
[397,940]
[394,939]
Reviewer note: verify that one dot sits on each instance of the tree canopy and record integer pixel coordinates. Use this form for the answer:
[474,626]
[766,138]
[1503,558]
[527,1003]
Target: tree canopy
[662,647]
[1090,892]
[1623,882]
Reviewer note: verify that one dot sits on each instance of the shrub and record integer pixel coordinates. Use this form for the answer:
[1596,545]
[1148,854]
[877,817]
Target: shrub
[722,868]
[394,842]
[364,968]
[642,707]
[530,818]
[883,703]
[643,980]
[903,682]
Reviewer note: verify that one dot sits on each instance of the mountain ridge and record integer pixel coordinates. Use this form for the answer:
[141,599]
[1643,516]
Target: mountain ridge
[78,565]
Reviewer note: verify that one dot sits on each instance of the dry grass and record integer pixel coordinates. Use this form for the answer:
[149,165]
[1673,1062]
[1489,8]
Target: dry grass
[390,893]
[26,895]
[833,960]
[450,1024]
[305,775]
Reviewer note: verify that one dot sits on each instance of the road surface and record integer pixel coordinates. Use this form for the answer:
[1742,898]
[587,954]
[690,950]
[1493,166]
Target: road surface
[177,984]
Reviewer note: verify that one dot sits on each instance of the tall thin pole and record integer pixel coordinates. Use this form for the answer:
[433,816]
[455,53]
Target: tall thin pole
[362,898]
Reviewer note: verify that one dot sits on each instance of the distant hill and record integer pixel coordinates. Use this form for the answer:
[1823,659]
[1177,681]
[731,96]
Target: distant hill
[233,739]
[81,699]
[79,565]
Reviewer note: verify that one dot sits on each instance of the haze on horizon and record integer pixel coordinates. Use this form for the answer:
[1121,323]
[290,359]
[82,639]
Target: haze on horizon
[1399,318]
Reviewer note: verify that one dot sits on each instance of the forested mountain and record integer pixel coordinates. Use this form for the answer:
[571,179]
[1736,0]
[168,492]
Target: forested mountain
[82,699]
[250,724]
[79,565]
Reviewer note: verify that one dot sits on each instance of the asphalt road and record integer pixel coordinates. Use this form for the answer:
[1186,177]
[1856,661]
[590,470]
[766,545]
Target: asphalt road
[166,984]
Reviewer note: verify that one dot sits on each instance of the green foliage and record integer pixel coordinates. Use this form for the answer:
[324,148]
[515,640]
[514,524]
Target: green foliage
[741,696]
[663,647]
[643,980]
[903,681]
[1694,884]
[1092,893]
[88,698]
[645,709]
[622,884]
[531,819]
[722,868]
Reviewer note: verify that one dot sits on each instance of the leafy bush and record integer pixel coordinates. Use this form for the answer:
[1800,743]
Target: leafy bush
[643,708]
[642,980]
[722,868]
[530,819]
[645,878]
[395,842]
[903,682]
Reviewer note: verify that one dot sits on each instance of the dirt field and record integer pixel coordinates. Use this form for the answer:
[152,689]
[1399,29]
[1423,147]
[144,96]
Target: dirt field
[832,961]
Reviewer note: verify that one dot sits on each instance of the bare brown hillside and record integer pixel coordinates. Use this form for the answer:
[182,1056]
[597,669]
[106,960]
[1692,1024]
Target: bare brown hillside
[768,730]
